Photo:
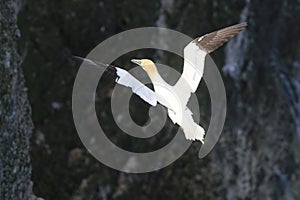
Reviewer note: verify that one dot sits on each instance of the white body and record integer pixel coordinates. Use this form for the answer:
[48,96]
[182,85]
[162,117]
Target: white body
[176,97]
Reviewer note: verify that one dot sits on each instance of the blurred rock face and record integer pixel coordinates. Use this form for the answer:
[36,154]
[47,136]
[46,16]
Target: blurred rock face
[15,122]
[260,125]
[256,156]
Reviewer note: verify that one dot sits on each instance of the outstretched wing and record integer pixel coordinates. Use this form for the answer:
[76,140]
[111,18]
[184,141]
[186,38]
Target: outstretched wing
[194,58]
[193,67]
[123,77]
[214,40]
[137,87]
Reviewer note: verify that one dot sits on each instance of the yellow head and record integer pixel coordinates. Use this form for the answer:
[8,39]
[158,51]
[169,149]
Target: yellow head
[147,65]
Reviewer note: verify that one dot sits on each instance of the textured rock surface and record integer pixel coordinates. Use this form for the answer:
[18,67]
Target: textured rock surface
[258,154]
[15,122]
[258,147]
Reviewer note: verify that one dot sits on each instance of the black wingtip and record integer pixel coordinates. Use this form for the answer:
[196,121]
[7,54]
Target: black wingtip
[246,23]
[236,27]
[91,62]
[87,61]
[243,24]
[77,58]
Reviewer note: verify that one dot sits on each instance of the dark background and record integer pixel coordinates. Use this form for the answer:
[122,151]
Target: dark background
[257,156]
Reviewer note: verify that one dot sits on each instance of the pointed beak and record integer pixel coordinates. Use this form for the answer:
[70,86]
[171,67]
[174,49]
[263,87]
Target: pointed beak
[136,61]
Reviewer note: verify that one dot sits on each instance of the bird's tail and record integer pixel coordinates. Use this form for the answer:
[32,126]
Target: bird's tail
[191,129]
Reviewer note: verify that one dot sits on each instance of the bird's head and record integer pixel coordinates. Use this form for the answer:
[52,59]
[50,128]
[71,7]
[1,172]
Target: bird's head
[147,65]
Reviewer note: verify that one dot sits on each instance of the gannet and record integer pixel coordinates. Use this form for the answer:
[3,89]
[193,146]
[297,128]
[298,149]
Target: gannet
[175,97]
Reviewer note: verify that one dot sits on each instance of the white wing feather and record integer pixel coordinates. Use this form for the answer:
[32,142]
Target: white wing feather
[193,67]
[122,77]
[194,57]
[137,87]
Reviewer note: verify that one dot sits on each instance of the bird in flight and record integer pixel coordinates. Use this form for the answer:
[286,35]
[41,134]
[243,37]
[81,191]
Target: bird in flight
[175,97]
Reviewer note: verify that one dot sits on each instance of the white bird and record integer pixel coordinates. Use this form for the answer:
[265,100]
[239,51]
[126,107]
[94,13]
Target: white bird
[175,98]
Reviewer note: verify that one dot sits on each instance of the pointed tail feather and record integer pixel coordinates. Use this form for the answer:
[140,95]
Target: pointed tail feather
[194,132]
[191,129]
